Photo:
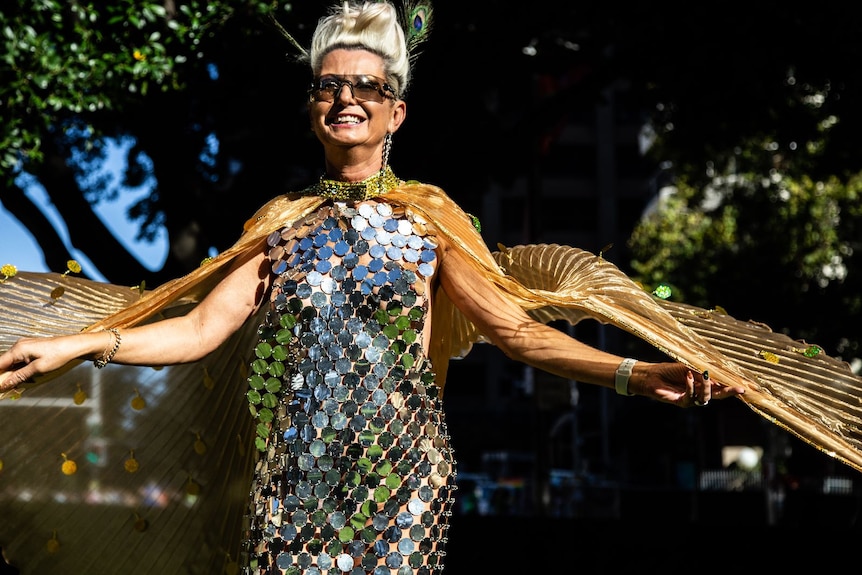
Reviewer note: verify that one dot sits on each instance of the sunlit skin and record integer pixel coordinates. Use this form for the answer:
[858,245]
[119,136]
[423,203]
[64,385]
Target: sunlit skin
[352,150]
[352,134]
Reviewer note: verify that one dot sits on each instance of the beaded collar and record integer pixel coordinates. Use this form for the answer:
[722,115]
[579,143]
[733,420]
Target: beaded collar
[372,186]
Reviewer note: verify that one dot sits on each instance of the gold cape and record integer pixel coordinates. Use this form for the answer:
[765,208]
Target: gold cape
[162,457]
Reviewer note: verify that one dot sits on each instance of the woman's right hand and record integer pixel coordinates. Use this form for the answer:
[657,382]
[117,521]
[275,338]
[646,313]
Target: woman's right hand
[31,357]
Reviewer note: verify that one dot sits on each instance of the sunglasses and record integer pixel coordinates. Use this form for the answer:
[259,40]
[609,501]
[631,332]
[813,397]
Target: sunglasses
[364,88]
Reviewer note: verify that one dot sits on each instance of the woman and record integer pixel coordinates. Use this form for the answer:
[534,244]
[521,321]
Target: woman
[361,278]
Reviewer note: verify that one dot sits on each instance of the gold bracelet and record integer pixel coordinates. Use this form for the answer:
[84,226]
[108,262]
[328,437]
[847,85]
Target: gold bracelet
[107,355]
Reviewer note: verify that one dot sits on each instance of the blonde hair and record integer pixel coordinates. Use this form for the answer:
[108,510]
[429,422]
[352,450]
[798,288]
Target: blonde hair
[372,26]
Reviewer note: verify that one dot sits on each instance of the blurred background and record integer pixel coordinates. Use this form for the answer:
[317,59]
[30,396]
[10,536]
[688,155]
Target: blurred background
[709,149]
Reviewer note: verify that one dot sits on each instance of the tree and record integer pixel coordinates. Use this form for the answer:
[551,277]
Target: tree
[763,172]
[172,78]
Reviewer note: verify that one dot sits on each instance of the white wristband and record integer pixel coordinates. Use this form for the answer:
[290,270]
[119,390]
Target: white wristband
[622,375]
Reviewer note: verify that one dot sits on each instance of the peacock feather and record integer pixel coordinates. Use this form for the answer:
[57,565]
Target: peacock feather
[416,19]
[303,53]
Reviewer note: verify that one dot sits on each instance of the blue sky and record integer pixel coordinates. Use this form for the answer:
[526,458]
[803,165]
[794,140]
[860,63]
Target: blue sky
[19,248]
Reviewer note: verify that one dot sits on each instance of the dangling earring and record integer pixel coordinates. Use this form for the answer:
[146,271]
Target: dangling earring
[387,147]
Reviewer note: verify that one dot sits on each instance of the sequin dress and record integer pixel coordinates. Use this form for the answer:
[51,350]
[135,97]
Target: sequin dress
[356,474]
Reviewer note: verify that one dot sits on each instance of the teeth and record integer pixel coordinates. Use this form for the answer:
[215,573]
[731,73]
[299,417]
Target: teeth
[348,119]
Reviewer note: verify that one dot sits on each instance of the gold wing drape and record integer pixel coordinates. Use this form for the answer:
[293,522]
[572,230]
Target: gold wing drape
[163,457]
[791,383]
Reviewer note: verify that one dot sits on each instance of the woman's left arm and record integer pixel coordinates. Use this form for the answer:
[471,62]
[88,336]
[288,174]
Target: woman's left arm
[526,340]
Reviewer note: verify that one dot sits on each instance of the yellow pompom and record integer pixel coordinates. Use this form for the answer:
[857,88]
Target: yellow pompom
[138,402]
[80,396]
[231,567]
[8,271]
[200,446]
[57,293]
[53,544]
[69,467]
[131,465]
[72,267]
[192,488]
[209,382]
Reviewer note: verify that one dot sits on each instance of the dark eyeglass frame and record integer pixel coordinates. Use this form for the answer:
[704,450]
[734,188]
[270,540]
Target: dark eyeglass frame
[363,88]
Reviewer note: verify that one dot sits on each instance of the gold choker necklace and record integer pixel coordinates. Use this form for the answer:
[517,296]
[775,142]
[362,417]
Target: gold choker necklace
[372,186]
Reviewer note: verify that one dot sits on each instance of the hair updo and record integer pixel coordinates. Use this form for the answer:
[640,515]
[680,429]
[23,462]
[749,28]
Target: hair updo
[372,26]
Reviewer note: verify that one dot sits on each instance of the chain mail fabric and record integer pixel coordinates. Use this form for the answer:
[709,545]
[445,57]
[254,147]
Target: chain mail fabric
[356,473]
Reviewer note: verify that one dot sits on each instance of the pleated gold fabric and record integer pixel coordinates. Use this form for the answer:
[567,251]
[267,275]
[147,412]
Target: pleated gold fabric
[791,383]
[163,457]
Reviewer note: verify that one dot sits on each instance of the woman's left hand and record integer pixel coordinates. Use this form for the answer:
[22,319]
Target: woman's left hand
[677,384]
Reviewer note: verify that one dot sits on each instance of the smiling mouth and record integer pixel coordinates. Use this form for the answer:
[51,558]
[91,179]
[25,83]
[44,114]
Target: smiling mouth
[347,119]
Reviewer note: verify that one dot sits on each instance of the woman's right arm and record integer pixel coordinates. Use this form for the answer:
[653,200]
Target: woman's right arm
[175,340]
